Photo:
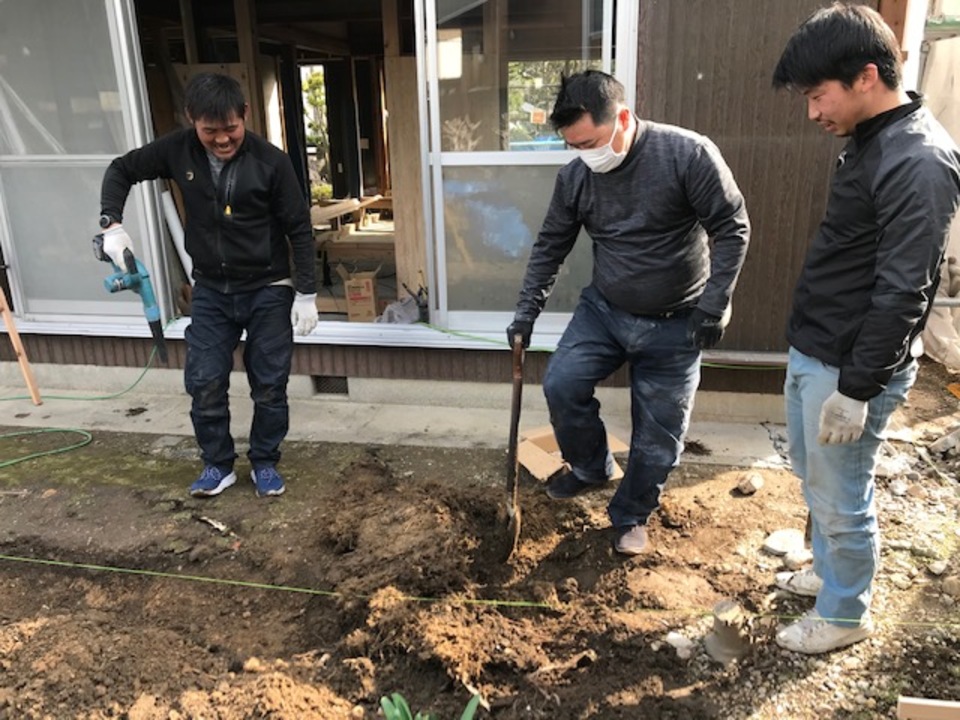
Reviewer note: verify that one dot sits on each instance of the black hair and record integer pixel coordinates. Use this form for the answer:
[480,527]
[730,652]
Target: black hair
[836,43]
[591,91]
[213,96]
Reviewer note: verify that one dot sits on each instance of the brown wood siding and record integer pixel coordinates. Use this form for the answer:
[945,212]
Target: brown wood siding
[707,65]
[357,362]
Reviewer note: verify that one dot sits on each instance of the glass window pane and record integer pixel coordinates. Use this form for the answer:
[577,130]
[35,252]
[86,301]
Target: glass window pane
[492,217]
[58,84]
[54,226]
[499,64]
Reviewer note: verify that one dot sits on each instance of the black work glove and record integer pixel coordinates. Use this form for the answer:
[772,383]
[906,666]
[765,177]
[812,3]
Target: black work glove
[523,328]
[705,330]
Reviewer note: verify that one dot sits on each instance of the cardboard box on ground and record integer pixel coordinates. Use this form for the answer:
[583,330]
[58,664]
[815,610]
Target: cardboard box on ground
[539,453]
[360,291]
[356,295]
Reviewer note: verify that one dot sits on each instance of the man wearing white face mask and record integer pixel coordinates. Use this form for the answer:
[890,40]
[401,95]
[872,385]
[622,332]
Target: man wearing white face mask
[651,197]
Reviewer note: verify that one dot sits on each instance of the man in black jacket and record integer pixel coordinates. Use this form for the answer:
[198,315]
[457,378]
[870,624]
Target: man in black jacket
[651,197]
[244,212]
[861,301]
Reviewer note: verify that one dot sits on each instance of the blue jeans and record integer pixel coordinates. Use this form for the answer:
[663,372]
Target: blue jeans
[664,375]
[216,324]
[838,484]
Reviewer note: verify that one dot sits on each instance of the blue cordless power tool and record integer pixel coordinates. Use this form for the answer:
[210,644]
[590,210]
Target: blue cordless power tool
[134,277]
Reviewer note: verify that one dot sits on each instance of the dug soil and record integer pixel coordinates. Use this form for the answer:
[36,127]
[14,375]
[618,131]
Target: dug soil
[381,571]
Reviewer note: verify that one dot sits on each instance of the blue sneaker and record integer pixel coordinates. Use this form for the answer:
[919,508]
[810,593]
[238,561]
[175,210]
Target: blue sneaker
[267,481]
[212,481]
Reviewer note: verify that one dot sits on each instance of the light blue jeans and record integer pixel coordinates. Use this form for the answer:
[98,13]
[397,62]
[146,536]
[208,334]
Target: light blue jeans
[838,484]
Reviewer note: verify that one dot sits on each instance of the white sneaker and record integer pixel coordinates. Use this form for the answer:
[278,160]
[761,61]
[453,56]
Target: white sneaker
[802,582]
[812,635]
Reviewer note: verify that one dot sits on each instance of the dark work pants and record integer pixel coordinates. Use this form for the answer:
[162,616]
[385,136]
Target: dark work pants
[664,375]
[217,322]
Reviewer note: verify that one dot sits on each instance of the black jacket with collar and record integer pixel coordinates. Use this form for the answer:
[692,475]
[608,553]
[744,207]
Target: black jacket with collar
[651,220]
[237,231]
[874,265]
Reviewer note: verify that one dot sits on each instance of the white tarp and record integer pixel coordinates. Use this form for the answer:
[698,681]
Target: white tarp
[940,82]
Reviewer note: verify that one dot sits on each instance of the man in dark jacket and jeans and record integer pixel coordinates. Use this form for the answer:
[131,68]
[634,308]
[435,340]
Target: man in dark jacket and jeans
[650,196]
[861,301]
[244,211]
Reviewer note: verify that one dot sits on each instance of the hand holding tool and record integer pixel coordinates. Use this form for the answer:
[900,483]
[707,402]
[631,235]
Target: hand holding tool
[521,328]
[130,275]
[115,241]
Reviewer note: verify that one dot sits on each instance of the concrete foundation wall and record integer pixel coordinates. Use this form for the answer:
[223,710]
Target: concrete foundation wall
[91,380]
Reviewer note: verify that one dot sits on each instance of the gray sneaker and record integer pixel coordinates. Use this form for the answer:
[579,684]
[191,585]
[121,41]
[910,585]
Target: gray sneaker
[802,582]
[631,540]
[812,635]
[567,485]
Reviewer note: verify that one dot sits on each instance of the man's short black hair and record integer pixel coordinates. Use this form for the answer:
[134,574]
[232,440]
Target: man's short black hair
[213,96]
[591,91]
[836,43]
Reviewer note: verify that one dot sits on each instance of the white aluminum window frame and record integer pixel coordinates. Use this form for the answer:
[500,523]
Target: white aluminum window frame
[622,64]
[131,84]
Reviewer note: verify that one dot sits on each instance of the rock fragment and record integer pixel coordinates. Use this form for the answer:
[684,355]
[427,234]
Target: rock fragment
[749,483]
[781,542]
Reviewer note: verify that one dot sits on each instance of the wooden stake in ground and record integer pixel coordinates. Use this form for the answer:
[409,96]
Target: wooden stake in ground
[18,349]
[911,708]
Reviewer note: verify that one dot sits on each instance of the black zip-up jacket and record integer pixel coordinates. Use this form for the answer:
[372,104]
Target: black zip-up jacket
[236,232]
[874,264]
[650,220]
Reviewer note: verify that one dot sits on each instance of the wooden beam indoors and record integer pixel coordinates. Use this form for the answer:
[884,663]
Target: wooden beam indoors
[166,105]
[894,13]
[391,28]
[249,45]
[189,32]
[403,131]
[380,142]
[304,39]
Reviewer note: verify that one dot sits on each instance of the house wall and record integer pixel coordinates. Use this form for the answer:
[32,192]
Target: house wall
[707,65]
[940,81]
[703,64]
[342,361]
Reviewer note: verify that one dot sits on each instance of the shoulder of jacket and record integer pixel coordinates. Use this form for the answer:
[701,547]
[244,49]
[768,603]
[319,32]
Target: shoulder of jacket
[681,144]
[574,171]
[674,134]
[916,140]
[180,136]
[258,143]
[263,151]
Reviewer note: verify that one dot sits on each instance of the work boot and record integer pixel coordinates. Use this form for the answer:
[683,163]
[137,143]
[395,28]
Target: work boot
[567,485]
[267,481]
[812,635]
[802,582]
[212,481]
[631,539]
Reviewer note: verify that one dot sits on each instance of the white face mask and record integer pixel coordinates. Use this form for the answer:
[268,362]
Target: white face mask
[604,159]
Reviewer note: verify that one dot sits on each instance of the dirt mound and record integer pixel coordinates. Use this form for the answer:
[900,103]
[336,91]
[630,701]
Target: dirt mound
[380,571]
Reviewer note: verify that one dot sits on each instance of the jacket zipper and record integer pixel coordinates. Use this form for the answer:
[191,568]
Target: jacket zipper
[230,173]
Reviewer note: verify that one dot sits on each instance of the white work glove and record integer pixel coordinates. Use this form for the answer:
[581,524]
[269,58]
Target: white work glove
[842,419]
[115,241]
[304,316]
